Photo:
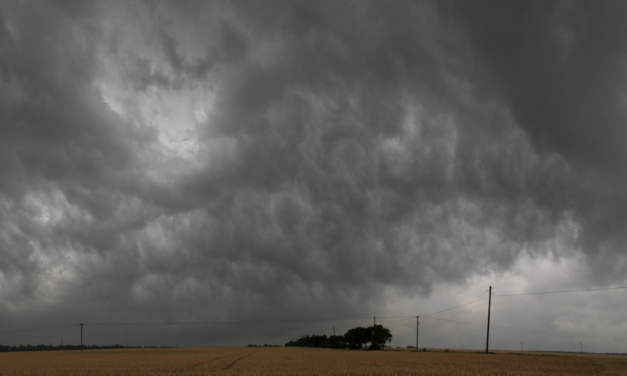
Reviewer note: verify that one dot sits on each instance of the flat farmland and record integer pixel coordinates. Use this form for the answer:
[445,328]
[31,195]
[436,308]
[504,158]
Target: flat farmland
[300,361]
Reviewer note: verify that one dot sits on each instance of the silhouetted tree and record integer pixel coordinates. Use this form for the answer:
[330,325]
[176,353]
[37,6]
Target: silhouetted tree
[357,337]
[379,336]
[336,342]
[309,341]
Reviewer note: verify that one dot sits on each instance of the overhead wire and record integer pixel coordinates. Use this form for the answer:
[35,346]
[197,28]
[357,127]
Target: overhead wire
[528,293]
[384,318]
[230,321]
[387,319]
[562,291]
[534,331]
[35,329]
[452,308]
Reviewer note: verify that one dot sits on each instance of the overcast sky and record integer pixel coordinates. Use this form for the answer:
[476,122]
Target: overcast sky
[184,162]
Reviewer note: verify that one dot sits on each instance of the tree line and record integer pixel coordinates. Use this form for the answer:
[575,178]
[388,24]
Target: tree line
[373,337]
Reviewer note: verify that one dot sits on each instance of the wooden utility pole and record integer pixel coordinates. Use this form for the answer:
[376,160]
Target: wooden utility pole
[375,321]
[81,337]
[333,331]
[487,341]
[417,325]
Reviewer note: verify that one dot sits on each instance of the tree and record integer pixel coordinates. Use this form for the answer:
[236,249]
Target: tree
[336,342]
[357,337]
[379,336]
[309,341]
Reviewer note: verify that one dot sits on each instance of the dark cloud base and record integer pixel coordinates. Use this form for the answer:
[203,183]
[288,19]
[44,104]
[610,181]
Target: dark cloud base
[351,148]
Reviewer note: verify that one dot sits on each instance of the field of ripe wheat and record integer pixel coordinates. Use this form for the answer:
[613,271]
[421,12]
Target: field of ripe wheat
[299,361]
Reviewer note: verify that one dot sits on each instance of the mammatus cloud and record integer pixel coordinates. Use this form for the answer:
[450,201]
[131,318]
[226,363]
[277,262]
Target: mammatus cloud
[184,161]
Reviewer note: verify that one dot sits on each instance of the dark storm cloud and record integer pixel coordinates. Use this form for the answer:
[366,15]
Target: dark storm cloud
[560,68]
[64,155]
[343,85]
[559,65]
[351,147]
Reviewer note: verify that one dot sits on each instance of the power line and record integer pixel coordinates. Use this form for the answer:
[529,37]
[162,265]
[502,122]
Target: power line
[458,321]
[529,293]
[532,331]
[459,306]
[35,329]
[564,291]
[181,323]
[228,321]
[387,319]
[405,318]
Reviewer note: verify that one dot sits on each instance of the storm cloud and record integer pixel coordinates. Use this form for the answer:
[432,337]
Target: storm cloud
[207,161]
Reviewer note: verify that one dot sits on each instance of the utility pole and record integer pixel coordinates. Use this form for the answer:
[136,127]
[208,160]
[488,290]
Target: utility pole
[417,325]
[487,341]
[82,337]
[375,321]
[581,343]
[522,346]
[333,331]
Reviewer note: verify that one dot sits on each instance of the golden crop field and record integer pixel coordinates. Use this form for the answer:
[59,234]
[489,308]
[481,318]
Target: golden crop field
[300,361]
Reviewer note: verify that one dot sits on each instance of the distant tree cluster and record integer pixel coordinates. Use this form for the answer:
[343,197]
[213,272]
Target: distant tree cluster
[70,347]
[264,345]
[372,337]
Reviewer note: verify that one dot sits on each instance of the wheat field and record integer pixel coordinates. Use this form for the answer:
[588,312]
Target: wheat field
[300,361]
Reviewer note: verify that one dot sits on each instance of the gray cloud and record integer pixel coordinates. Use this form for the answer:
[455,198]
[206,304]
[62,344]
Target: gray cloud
[336,151]
[558,67]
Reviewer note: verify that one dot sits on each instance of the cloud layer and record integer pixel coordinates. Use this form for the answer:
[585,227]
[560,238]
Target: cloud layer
[226,161]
